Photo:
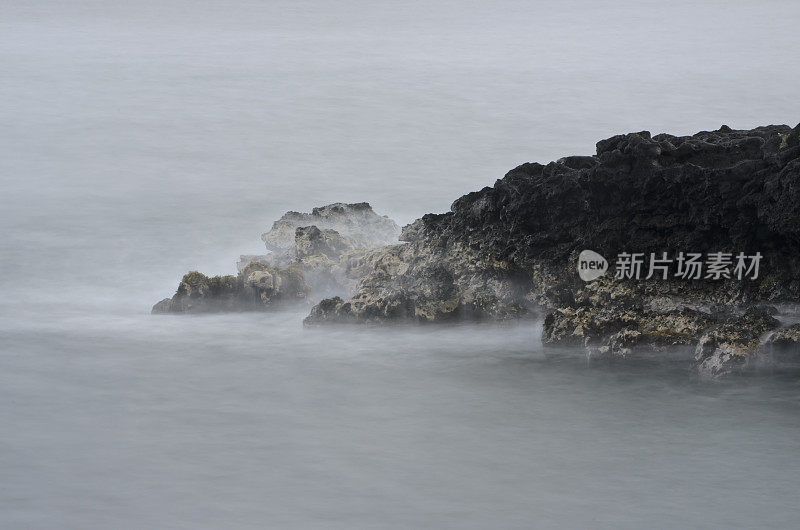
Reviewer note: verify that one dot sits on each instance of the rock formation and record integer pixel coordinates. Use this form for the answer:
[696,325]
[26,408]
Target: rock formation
[315,263]
[257,286]
[511,250]
[357,224]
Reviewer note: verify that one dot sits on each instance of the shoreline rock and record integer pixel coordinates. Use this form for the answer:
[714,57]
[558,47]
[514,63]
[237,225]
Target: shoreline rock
[256,287]
[356,224]
[315,263]
[510,250]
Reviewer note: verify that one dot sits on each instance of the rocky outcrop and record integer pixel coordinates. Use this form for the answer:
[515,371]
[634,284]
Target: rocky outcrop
[429,285]
[511,250]
[316,263]
[256,287]
[356,224]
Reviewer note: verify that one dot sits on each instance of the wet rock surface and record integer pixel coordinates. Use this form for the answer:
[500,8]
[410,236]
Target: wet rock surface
[510,250]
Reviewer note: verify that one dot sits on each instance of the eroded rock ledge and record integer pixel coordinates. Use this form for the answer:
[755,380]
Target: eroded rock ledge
[511,250]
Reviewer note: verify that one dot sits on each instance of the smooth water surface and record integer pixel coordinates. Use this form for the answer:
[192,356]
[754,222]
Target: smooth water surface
[143,139]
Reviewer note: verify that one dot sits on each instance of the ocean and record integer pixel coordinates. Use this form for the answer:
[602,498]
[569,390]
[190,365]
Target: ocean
[145,139]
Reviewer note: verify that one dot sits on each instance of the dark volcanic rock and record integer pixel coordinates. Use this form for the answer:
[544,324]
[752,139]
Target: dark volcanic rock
[511,249]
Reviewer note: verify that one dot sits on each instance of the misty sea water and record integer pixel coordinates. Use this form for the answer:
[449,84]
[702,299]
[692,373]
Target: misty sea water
[145,139]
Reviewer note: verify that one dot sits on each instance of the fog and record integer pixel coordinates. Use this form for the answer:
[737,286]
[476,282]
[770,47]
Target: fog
[144,139]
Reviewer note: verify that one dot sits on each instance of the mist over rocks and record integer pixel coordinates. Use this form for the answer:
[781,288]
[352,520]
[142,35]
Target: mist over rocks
[510,250]
[257,286]
[783,346]
[307,262]
[357,224]
[732,345]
